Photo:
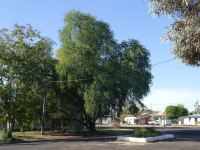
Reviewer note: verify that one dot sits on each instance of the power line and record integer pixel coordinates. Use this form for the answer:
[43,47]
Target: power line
[175,103]
[163,62]
[119,73]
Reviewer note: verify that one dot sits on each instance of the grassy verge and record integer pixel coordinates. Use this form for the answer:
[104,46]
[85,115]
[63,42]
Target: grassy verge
[36,136]
[68,135]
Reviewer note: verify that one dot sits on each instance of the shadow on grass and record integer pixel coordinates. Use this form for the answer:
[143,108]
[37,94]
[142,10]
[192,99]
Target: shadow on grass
[41,142]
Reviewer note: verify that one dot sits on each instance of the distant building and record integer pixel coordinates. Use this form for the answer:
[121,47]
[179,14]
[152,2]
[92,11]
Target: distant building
[191,119]
[165,122]
[105,120]
[130,120]
[158,115]
[133,120]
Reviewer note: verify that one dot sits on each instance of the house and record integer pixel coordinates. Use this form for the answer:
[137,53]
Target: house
[130,120]
[165,122]
[158,115]
[191,119]
[143,119]
[140,119]
[105,120]
[158,118]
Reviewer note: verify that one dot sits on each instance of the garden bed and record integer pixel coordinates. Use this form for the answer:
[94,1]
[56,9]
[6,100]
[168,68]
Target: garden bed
[144,135]
[145,139]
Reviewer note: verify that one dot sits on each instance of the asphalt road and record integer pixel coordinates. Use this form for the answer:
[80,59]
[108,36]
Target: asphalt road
[187,139]
[183,132]
[98,145]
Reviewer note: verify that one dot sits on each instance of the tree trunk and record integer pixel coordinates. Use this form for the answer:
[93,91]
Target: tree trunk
[9,126]
[91,126]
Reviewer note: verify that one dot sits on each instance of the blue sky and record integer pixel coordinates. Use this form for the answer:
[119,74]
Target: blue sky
[173,82]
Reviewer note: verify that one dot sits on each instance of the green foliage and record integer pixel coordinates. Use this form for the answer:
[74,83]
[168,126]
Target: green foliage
[75,126]
[26,67]
[184,32]
[130,110]
[146,132]
[1,134]
[197,108]
[4,135]
[102,74]
[145,110]
[174,112]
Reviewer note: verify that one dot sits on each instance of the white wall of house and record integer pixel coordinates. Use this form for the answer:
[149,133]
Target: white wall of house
[130,120]
[165,122]
[191,121]
[107,120]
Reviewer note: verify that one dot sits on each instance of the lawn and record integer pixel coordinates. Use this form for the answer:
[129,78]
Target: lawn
[73,135]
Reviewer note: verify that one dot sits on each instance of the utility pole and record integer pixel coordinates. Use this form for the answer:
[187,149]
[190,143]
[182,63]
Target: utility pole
[10,117]
[164,123]
[43,110]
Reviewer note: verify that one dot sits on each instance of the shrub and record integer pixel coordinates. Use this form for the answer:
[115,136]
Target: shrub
[4,135]
[1,134]
[145,132]
[76,126]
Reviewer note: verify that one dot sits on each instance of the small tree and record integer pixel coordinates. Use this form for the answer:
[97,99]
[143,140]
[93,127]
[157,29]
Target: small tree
[174,112]
[197,107]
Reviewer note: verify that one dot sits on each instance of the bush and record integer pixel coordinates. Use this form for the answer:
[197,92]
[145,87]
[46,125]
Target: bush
[146,132]
[76,126]
[5,136]
[1,134]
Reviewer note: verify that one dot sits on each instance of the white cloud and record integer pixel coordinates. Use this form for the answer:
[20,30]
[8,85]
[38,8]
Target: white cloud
[158,99]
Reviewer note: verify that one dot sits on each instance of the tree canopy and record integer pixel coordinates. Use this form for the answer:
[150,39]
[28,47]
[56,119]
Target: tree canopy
[185,29]
[102,74]
[25,66]
[92,75]
[174,112]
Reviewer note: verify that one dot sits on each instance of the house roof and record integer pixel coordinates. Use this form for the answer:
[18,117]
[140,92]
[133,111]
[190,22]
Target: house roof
[158,113]
[143,116]
[193,116]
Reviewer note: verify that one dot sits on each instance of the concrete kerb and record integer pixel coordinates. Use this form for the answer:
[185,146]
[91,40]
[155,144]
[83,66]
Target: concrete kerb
[145,140]
[134,139]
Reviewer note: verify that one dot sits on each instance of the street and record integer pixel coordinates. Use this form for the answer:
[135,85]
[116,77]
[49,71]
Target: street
[99,145]
[187,139]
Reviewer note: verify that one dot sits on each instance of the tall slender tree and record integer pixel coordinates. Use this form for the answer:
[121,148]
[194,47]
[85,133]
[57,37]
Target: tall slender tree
[101,74]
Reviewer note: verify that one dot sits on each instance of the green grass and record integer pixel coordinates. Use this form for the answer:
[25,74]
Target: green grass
[101,131]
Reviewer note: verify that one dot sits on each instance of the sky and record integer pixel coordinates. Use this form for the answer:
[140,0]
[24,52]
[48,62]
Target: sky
[173,83]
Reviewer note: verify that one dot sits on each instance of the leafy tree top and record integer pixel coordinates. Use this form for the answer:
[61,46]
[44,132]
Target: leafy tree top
[104,74]
[185,30]
[174,112]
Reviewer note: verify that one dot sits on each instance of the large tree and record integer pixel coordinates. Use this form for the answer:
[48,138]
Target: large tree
[101,75]
[185,29]
[26,65]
